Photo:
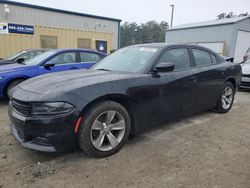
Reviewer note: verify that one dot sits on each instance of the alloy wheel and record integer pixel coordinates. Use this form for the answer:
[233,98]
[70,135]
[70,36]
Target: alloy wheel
[227,97]
[108,130]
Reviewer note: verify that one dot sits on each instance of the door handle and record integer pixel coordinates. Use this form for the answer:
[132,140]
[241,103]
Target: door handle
[193,79]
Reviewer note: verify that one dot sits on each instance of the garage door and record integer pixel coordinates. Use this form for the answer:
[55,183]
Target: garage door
[242,44]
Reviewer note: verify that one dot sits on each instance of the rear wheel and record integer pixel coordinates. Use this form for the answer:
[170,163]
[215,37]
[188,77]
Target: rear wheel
[11,85]
[226,99]
[104,130]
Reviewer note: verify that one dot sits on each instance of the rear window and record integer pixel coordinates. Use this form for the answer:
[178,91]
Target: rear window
[202,58]
[89,57]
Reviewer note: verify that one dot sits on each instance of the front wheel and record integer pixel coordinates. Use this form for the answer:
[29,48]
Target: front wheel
[104,130]
[226,99]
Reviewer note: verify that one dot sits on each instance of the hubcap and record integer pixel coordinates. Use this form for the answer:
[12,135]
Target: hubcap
[227,97]
[108,130]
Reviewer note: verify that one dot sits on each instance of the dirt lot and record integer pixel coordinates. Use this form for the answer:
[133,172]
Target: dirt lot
[206,150]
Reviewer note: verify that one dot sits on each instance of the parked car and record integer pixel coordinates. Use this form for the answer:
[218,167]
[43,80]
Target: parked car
[247,55]
[245,80]
[51,61]
[129,90]
[230,59]
[22,56]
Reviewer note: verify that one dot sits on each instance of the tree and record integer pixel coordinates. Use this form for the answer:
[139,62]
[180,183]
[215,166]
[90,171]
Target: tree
[132,33]
[230,15]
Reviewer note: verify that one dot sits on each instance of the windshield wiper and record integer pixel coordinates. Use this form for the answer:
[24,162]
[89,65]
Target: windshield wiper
[22,63]
[104,69]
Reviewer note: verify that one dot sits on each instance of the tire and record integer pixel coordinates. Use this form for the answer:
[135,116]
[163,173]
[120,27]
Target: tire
[11,85]
[104,130]
[228,92]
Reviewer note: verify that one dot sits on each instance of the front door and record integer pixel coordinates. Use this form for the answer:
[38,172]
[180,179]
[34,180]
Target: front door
[61,62]
[178,87]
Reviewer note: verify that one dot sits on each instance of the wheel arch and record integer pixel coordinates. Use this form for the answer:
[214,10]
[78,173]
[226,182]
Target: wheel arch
[11,80]
[233,81]
[122,99]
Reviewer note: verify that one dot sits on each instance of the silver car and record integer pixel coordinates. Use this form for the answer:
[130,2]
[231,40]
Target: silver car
[245,80]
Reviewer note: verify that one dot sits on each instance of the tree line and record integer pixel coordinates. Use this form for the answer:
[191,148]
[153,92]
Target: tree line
[152,31]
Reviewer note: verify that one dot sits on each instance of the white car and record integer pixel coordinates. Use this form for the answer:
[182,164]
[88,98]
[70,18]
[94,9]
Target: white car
[245,80]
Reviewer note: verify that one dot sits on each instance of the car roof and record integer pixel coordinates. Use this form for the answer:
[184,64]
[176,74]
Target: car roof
[165,45]
[36,49]
[76,49]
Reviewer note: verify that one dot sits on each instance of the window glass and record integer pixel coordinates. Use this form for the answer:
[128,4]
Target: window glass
[48,42]
[64,58]
[89,57]
[179,57]
[30,55]
[84,43]
[202,58]
[214,59]
[40,58]
[14,56]
[128,59]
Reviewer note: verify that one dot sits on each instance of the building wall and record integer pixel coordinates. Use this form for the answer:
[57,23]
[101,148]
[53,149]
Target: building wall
[221,33]
[45,18]
[66,38]
[243,25]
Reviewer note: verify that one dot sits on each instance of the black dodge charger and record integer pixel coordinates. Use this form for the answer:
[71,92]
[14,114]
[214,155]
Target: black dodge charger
[129,90]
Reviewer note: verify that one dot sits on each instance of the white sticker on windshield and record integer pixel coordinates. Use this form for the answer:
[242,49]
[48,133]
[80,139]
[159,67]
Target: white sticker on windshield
[143,49]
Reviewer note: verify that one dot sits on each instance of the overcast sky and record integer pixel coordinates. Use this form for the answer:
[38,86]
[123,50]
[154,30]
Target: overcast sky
[186,11]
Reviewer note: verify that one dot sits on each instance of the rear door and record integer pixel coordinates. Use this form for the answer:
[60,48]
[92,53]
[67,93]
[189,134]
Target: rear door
[88,59]
[209,75]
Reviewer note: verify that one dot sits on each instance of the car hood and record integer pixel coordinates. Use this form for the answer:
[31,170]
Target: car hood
[68,81]
[12,67]
[6,62]
[245,68]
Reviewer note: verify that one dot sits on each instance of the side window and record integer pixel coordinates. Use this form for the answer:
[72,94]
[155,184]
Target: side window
[64,58]
[214,59]
[202,58]
[177,56]
[48,41]
[89,57]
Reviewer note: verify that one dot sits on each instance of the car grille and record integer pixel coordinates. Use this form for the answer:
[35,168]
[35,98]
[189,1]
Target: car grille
[245,84]
[246,75]
[21,107]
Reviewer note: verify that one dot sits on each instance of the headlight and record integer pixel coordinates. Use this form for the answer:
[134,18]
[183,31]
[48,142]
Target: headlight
[1,77]
[51,108]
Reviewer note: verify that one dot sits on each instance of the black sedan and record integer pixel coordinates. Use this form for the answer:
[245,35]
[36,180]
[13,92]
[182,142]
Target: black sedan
[129,90]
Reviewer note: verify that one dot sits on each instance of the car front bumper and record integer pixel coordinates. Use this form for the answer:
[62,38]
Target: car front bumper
[46,134]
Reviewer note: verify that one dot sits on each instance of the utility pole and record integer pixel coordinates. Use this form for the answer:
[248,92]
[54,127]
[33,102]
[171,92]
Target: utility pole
[172,15]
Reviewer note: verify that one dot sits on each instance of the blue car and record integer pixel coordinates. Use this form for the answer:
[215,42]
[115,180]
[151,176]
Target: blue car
[48,62]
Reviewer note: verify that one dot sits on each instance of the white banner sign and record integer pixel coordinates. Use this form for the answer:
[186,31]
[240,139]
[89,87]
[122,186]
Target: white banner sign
[4,28]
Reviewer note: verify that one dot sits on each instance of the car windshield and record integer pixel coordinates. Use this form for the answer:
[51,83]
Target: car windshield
[14,56]
[129,59]
[38,59]
[31,54]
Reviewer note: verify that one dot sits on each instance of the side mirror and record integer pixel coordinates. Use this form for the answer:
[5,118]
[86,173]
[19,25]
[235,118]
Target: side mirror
[47,65]
[165,67]
[20,60]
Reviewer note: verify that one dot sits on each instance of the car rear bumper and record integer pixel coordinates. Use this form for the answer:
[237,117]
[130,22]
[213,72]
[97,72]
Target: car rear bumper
[46,134]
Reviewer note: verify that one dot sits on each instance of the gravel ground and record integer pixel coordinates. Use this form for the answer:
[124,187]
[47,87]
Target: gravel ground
[205,150]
